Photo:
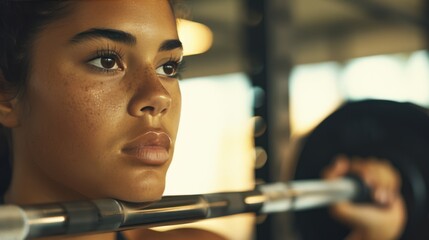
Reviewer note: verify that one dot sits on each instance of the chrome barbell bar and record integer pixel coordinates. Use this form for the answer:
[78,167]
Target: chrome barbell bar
[26,222]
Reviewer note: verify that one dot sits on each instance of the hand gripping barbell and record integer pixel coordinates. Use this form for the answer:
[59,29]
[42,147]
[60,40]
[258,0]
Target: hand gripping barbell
[394,131]
[365,129]
[22,222]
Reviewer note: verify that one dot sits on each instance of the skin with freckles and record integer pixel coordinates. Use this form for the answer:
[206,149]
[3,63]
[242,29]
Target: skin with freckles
[88,96]
[100,113]
[100,110]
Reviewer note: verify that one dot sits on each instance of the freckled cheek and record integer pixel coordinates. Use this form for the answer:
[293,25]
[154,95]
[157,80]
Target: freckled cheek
[94,108]
[78,107]
[84,110]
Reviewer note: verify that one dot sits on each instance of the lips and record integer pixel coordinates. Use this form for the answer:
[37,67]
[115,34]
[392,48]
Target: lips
[151,148]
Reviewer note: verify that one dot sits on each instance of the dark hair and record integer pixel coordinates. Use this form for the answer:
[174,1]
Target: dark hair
[20,21]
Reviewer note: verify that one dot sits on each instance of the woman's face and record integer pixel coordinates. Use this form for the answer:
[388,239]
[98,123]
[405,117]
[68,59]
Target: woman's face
[100,113]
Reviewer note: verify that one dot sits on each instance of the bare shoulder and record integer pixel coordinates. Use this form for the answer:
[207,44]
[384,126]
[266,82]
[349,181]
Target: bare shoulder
[175,234]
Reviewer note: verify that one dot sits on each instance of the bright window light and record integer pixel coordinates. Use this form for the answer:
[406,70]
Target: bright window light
[313,95]
[215,149]
[196,37]
[379,77]
[318,89]
[417,78]
[214,136]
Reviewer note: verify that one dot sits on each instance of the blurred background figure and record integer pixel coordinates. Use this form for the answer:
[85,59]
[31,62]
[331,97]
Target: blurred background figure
[385,144]
[292,63]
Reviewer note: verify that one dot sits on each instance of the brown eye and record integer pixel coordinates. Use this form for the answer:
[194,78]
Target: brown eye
[169,69]
[105,63]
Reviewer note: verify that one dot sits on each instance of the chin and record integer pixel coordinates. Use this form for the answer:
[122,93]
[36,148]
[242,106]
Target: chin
[132,186]
[147,192]
[152,197]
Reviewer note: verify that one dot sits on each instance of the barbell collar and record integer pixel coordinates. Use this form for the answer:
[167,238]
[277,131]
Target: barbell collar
[114,215]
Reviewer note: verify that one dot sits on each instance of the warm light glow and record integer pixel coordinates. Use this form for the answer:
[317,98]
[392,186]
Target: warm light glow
[380,77]
[318,89]
[417,78]
[313,95]
[214,149]
[196,37]
[393,77]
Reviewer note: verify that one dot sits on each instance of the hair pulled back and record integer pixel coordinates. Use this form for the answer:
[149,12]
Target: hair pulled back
[20,21]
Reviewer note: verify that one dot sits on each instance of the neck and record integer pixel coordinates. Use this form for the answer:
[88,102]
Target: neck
[103,236]
[30,186]
[27,189]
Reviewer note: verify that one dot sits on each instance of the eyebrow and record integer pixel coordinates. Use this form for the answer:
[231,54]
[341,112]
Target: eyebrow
[112,34]
[168,45]
[120,36]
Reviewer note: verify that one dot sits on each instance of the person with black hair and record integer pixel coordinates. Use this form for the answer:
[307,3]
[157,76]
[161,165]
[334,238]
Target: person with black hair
[89,103]
[384,143]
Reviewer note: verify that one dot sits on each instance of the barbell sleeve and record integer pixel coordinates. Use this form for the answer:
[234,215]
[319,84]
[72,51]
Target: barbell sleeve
[22,222]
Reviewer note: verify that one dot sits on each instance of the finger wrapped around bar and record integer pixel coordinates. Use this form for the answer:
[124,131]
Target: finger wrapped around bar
[395,132]
[113,215]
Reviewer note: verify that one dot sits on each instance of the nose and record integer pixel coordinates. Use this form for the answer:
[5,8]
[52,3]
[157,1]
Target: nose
[151,98]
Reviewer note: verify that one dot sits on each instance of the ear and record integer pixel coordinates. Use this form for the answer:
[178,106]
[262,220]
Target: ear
[8,105]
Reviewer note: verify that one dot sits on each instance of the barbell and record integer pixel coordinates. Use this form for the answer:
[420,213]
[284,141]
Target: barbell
[23,222]
[395,131]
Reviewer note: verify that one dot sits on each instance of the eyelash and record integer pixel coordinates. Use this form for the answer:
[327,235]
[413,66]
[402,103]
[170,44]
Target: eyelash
[117,56]
[114,54]
[179,67]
